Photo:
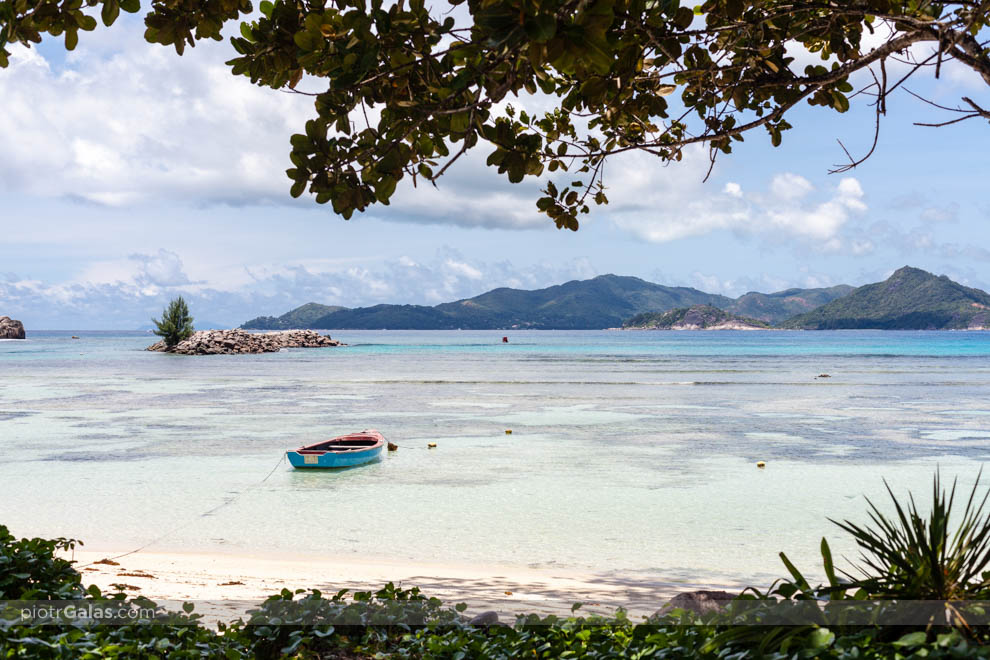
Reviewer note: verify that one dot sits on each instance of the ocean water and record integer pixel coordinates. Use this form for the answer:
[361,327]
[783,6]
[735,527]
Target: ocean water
[632,454]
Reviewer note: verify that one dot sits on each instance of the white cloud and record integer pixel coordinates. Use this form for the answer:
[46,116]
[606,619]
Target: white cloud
[790,187]
[463,269]
[124,121]
[820,222]
[946,213]
[862,246]
[161,269]
[470,194]
[126,293]
[737,285]
[673,203]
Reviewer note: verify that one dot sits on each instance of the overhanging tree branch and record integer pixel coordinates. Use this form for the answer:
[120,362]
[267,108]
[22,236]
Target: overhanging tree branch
[604,68]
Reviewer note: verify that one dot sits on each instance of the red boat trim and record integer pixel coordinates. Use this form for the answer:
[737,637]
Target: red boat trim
[326,446]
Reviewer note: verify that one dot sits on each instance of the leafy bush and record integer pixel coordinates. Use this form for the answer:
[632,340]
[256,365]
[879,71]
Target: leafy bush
[29,569]
[176,324]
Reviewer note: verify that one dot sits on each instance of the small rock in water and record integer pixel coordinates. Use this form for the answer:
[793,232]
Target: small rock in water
[11,329]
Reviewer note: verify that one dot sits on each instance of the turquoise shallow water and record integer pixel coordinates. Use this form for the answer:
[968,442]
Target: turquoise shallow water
[631,453]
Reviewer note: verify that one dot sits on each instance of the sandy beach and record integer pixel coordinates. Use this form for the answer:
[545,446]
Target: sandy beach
[224,586]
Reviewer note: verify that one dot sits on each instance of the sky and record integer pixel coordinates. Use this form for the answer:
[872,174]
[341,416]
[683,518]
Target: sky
[130,175]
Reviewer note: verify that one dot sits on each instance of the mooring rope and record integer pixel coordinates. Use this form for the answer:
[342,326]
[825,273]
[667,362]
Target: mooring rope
[208,512]
[191,520]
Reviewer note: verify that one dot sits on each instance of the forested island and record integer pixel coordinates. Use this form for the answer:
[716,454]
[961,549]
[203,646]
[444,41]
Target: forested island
[910,299]
[698,317]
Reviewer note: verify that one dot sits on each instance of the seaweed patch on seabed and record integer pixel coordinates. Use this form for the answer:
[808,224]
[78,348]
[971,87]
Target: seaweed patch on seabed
[102,436]
[7,415]
[98,395]
[288,387]
[85,456]
[103,423]
[859,449]
[165,426]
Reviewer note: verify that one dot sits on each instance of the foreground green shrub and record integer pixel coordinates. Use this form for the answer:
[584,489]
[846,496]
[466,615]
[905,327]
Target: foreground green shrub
[29,569]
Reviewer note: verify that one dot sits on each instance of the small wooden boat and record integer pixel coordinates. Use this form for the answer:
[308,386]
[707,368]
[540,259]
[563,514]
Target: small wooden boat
[342,451]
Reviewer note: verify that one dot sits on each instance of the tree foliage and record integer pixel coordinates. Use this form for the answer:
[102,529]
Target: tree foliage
[402,90]
[175,324]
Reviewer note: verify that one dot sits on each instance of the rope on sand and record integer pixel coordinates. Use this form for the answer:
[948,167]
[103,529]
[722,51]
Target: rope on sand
[191,520]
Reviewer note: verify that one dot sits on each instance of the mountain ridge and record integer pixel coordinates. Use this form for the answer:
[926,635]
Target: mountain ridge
[910,299]
[782,305]
[601,302]
[293,319]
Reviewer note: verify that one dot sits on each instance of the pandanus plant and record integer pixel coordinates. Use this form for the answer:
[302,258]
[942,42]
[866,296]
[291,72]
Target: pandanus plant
[910,556]
[907,559]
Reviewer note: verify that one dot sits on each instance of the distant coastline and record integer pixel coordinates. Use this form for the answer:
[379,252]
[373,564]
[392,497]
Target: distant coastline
[910,299]
[697,317]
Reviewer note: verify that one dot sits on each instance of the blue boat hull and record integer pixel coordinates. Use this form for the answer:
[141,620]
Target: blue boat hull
[333,459]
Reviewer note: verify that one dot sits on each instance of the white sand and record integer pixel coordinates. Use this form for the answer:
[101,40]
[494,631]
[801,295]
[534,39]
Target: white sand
[223,586]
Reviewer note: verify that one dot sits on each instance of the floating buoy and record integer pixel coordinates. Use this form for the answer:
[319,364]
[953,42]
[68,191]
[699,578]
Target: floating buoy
[760,464]
[432,445]
[392,446]
[508,431]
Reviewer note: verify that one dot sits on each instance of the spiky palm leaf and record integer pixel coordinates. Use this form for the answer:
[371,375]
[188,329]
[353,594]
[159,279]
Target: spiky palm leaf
[912,557]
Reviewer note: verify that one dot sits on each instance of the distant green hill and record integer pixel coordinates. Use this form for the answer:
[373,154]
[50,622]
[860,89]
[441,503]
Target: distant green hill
[300,317]
[777,307]
[602,302]
[697,317]
[910,299]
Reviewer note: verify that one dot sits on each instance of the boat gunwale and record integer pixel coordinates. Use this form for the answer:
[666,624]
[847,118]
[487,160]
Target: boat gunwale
[369,434]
